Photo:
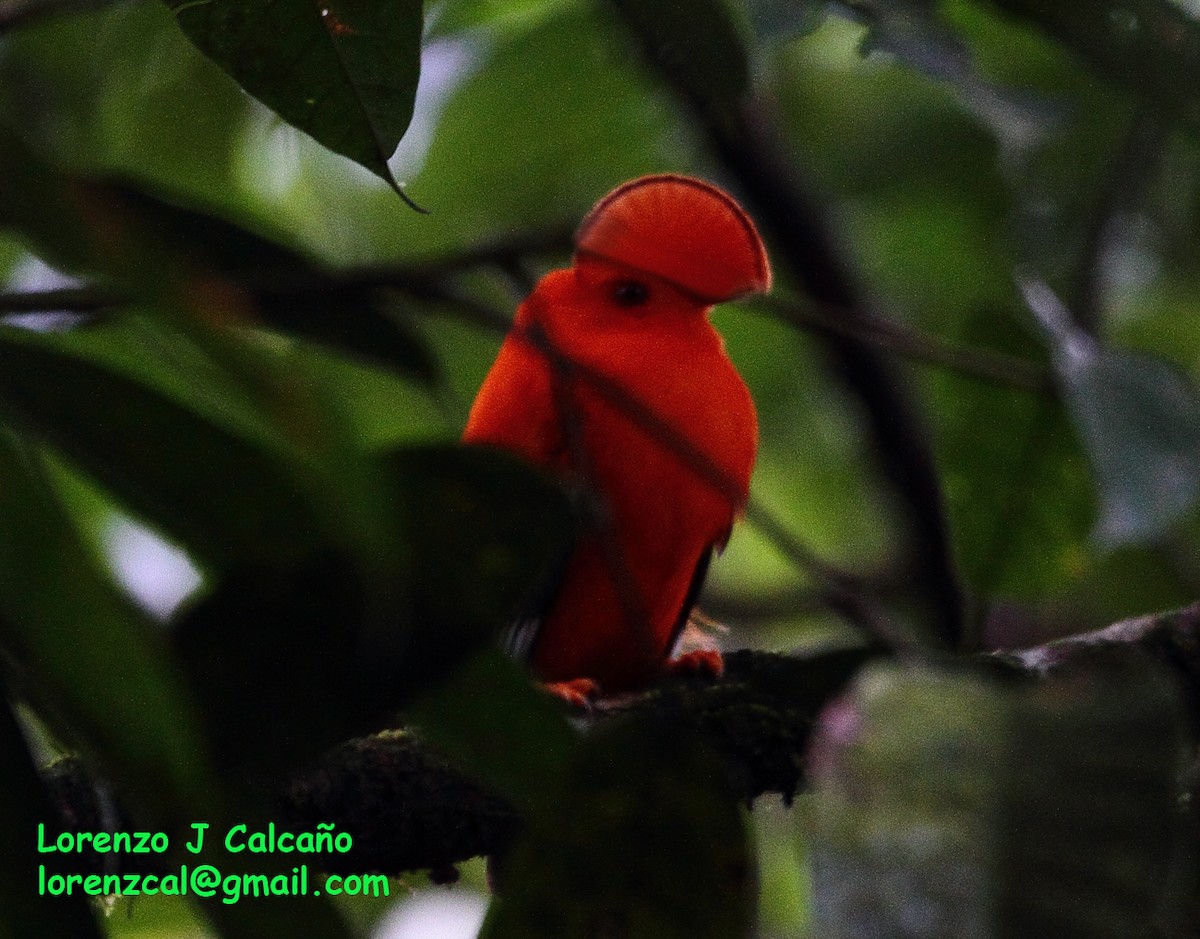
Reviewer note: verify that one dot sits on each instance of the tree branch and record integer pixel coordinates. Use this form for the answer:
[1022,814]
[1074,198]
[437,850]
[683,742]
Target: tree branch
[986,364]
[409,809]
[1172,639]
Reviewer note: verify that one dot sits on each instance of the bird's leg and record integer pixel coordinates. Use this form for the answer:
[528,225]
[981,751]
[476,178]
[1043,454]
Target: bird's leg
[579,693]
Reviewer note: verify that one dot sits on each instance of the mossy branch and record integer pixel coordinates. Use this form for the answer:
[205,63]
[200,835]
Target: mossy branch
[410,809]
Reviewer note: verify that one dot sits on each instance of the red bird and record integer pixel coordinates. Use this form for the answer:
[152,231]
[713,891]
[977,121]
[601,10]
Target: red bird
[613,378]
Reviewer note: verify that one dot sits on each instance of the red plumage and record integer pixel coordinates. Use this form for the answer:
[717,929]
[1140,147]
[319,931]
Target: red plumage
[602,356]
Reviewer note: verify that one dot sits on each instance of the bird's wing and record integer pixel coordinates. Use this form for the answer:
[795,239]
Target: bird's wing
[515,407]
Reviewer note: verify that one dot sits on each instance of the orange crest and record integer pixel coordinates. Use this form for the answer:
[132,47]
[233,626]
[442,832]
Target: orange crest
[684,230]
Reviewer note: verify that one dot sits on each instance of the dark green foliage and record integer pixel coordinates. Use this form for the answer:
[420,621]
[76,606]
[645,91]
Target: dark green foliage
[978,422]
[244,504]
[633,793]
[24,805]
[344,71]
[98,669]
[289,659]
[290,293]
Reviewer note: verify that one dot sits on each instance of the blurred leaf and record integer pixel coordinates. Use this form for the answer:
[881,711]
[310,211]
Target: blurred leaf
[480,517]
[641,839]
[949,804]
[311,438]
[150,247]
[160,355]
[1019,500]
[94,666]
[777,20]
[79,87]
[452,16]
[1151,47]
[215,492]
[493,721]
[274,653]
[23,804]
[82,226]
[38,205]
[293,295]
[316,458]
[699,44]
[915,32]
[289,659]
[1139,420]
[343,71]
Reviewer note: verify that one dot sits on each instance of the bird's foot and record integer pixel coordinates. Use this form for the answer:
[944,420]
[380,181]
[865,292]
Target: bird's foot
[578,693]
[706,662]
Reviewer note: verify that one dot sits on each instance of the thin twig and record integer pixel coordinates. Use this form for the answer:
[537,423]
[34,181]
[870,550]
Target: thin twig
[314,280]
[974,361]
[1130,174]
[843,592]
[985,364]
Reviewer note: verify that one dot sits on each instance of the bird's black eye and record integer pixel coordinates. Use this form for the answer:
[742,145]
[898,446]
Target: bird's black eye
[630,293]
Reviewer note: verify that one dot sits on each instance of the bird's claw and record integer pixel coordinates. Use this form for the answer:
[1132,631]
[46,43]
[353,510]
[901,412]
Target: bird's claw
[578,693]
[707,662]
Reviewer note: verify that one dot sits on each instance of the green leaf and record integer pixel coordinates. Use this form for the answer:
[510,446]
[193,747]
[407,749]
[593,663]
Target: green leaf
[213,491]
[289,659]
[39,206]
[275,654]
[343,71]
[97,669]
[517,149]
[950,804]
[23,805]
[86,226]
[641,838]
[309,453]
[488,533]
